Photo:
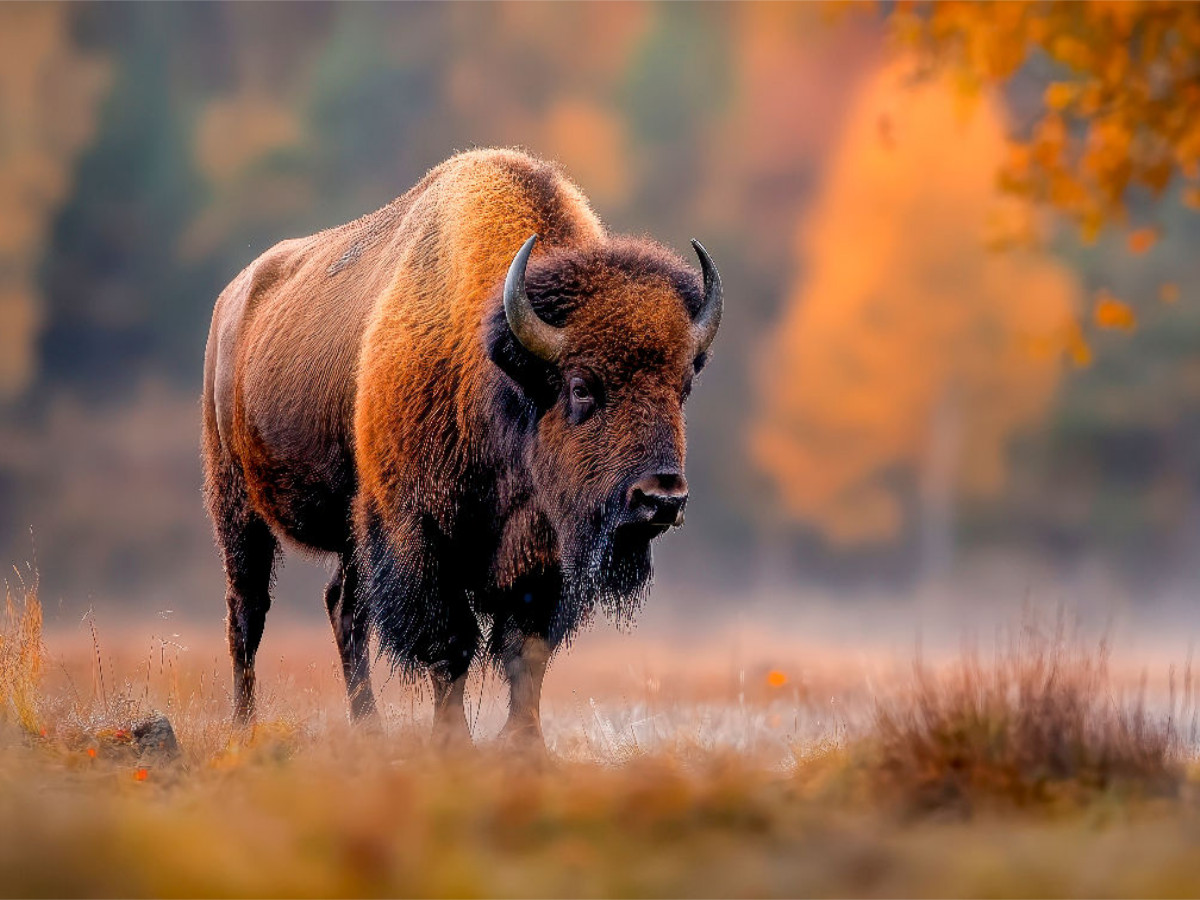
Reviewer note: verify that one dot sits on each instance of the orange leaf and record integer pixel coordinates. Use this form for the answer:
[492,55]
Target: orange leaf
[141,775]
[1111,313]
[1142,240]
[1077,347]
[1059,95]
[775,678]
[1081,353]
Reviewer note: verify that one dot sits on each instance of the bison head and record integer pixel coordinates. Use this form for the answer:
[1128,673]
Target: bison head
[604,343]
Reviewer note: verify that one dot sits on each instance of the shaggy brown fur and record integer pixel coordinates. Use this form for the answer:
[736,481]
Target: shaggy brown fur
[365,397]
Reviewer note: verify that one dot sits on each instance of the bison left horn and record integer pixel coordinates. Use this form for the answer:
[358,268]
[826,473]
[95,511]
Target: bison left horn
[708,318]
[536,335]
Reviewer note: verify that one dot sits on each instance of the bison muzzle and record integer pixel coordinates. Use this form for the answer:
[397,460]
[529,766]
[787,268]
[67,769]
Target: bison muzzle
[472,398]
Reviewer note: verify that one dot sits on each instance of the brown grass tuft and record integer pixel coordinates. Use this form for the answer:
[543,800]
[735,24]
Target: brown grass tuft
[1038,724]
[22,654]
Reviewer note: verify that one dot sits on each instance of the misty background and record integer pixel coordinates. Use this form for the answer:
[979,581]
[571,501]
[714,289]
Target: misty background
[894,410]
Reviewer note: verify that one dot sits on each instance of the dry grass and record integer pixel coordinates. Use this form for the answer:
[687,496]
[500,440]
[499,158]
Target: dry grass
[669,790]
[22,656]
[1041,722]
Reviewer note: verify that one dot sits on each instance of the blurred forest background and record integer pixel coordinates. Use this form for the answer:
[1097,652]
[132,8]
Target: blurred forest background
[896,400]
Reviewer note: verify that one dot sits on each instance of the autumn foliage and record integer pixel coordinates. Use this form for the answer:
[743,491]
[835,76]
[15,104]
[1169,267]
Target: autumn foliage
[1120,111]
[912,353]
[1115,128]
[903,329]
[49,97]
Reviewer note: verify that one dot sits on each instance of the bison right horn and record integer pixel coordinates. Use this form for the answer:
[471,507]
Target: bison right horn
[536,335]
[708,318]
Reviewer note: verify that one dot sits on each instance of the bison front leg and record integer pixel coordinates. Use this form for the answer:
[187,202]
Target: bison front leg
[450,729]
[525,666]
[452,644]
[419,612]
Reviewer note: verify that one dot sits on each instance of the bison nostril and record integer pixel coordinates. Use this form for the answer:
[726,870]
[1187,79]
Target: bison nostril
[659,499]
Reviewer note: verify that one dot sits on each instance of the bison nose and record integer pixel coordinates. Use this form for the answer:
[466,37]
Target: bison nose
[659,499]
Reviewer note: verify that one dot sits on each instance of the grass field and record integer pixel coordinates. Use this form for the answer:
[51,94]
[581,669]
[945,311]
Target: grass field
[1034,767]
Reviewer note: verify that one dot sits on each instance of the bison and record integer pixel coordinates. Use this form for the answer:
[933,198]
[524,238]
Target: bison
[472,398]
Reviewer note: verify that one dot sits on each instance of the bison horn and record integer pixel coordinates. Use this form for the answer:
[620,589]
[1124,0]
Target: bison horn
[536,335]
[708,319]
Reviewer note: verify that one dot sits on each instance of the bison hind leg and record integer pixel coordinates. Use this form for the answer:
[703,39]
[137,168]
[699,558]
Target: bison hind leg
[250,551]
[350,632]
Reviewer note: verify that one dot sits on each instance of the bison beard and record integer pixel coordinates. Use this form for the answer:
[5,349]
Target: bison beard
[605,566]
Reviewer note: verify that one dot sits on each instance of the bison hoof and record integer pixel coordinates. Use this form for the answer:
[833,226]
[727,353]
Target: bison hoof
[524,742]
[451,740]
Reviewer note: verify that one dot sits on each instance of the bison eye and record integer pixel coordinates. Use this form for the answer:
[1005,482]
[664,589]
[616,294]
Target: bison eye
[581,399]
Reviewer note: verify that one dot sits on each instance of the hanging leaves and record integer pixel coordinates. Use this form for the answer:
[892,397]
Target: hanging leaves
[1119,116]
[1122,108]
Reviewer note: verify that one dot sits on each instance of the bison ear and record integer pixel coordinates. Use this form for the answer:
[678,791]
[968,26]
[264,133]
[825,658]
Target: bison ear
[535,378]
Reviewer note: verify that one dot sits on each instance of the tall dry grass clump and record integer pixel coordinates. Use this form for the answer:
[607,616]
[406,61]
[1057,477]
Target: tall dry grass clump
[1039,723]
[22,653]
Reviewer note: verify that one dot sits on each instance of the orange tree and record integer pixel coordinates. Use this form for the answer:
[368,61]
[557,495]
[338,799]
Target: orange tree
[1109,95]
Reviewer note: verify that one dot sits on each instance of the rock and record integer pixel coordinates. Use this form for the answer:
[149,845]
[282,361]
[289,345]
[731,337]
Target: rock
[155,740]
